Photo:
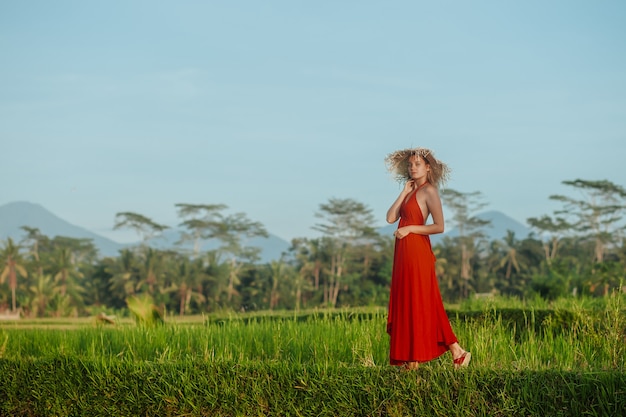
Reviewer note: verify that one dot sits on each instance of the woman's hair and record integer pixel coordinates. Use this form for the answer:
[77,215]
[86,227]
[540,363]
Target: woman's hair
[398,164]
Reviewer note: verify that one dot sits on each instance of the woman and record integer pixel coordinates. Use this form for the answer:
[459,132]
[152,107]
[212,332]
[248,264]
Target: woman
[417,323]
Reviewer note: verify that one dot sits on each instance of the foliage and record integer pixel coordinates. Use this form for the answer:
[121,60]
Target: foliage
[202,221]
[472,236]
[70,386]
[144,311]
[569,359]
[142,225]
[348,265]
[11,264]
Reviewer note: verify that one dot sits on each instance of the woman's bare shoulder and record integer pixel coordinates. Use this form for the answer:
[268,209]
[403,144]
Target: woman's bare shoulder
[431,190]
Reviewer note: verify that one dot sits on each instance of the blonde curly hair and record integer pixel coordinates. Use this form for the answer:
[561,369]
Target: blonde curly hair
[398,164]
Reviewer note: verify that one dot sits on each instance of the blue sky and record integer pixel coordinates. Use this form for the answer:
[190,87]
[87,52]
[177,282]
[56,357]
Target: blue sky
[275,107]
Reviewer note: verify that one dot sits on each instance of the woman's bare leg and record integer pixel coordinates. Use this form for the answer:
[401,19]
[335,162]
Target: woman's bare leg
[460,356]
[456,350]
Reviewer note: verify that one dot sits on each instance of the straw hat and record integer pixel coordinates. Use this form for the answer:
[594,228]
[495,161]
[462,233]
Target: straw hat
[398,164]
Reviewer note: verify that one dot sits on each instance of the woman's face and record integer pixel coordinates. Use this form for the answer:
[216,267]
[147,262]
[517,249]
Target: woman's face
[418,168]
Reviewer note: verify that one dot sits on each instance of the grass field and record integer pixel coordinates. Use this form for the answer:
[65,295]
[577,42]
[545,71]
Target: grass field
[568,360]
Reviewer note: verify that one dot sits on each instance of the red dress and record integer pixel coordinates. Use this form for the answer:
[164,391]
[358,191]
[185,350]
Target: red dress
[417,322]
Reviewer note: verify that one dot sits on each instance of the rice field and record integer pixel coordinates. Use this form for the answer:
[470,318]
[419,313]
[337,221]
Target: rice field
[316,363]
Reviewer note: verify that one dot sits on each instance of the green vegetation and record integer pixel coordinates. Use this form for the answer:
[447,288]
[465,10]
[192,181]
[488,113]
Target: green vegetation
[68,386]
[216,333]
[578,250]
[568,360]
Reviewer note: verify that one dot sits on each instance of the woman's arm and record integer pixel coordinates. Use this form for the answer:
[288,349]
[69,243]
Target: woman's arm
[434,208]
[393,214]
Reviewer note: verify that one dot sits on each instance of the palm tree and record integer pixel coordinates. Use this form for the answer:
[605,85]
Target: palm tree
[234,233]
[300,285]
[65,272]
[470,227]
[35,237]
[308,264]
[124,274]
[510,260]
[42,292]
[278,273]
[12,265]
[187,283]
[152,270]
[234,270]
[216,275]
[503,267]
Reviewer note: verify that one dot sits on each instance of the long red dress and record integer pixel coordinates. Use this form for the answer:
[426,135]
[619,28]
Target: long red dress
[417,322]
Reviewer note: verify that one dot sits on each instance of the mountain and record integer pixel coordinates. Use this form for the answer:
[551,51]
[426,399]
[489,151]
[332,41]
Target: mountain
[500,223]
[15,215]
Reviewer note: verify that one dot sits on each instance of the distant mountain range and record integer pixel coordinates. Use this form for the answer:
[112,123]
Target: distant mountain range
[15,215]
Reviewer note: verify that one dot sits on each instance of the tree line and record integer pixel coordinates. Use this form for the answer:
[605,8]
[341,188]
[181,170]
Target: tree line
[578,249]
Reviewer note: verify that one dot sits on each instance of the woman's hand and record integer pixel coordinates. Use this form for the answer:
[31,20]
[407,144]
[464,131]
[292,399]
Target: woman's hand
[409,186]
[401,232]
[393,214]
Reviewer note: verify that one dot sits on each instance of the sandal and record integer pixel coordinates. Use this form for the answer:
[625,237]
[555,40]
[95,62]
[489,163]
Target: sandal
[463,360]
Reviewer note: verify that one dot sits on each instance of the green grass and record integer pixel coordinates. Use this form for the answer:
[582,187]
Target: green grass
[69,386]
[568,360]
[592,343]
